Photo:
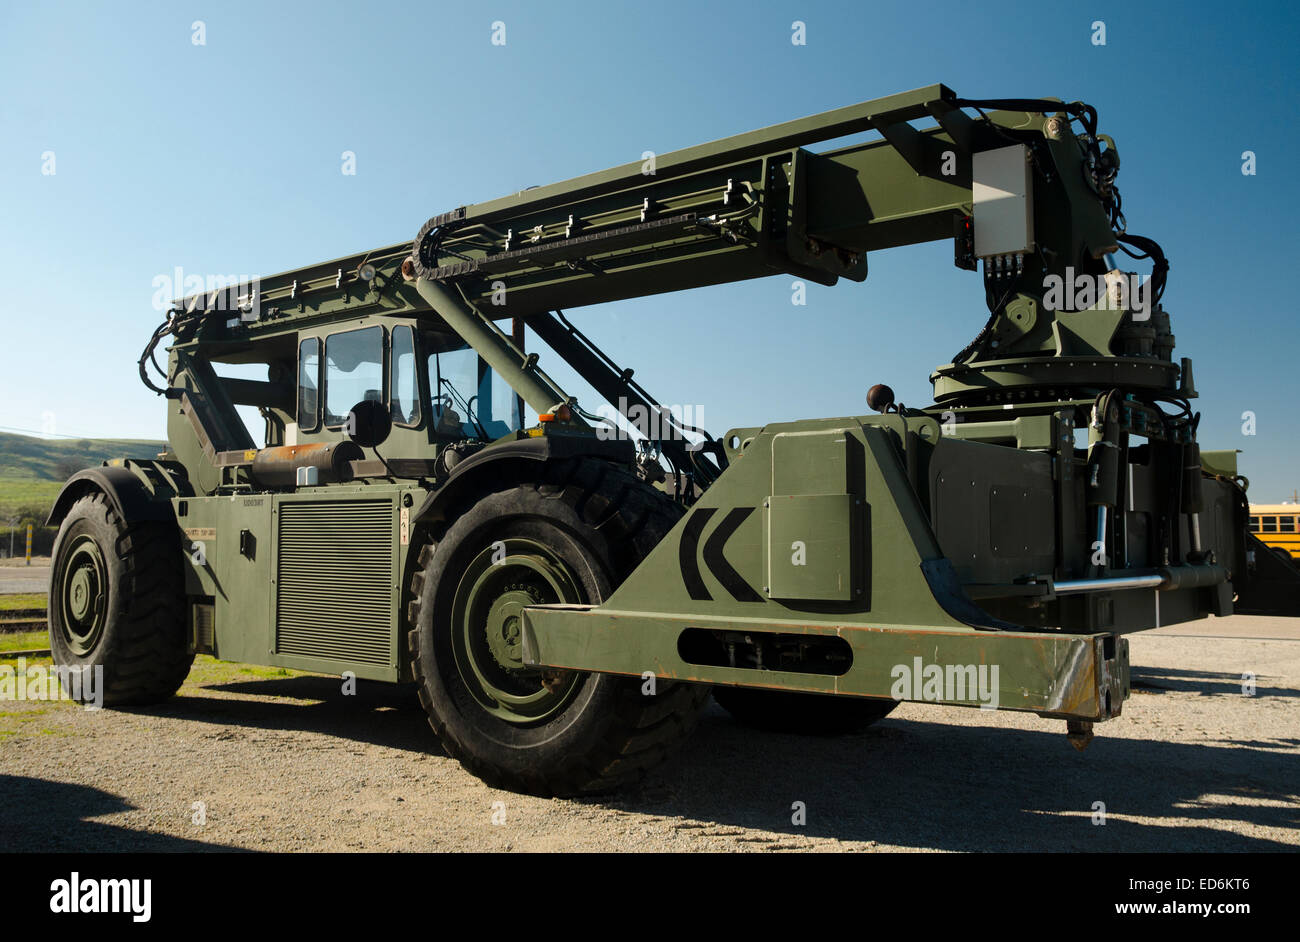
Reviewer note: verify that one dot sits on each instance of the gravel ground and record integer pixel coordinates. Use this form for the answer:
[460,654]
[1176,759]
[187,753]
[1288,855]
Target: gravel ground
[283,762]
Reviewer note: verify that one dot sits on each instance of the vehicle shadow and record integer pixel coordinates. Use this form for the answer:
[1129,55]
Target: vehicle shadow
[53,817]
[1204,683]
[919,784]
[381,714]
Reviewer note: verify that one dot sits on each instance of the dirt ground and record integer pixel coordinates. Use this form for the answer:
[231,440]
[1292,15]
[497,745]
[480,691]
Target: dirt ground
[278,761]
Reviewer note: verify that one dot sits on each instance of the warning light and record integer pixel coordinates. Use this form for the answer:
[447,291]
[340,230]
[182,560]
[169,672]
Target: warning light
[963,244]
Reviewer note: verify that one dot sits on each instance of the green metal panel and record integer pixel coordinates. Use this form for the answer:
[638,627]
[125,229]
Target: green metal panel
[993,509]
[1222,462]
[314,583]
[814,461]
[228,542]
[336,583]
[714,562]
[812,546]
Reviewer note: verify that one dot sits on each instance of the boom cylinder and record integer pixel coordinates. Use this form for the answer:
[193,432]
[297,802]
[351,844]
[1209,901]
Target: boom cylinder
[1103,470]
[508,362]
[1192,500]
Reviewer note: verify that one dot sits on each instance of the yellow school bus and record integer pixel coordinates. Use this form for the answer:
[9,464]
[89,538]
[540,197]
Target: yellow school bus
[1277,525]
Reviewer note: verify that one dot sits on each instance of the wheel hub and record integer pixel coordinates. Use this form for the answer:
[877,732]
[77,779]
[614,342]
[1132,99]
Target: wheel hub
[505,625]
[488,630]
[80,595]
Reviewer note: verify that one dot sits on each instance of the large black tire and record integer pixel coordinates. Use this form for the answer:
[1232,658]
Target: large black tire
[571,536]
[808,713]
[117,602]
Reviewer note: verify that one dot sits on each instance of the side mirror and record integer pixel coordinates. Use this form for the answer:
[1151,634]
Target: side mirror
[369,423]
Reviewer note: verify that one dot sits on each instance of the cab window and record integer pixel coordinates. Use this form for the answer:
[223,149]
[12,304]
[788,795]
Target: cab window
[354,371]
[309,384]
[468,399]
[402,381]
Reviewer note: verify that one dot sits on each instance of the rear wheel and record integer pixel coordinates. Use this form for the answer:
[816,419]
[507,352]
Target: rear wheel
[818,714]
[571,538]
[117,603]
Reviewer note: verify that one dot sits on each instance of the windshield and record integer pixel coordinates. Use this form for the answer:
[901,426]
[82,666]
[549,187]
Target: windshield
[354,371]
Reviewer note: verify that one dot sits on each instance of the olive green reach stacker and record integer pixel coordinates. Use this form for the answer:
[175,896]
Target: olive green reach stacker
[566,595]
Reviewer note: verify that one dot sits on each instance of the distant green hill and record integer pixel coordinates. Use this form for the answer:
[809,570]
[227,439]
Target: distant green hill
[33,469]
[50,459]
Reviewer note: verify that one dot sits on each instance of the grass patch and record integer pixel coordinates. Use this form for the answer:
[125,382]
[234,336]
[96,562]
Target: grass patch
[44,659]
[24,641]
[26,719]
[23,601]
[209,672]
[266,671]
[23,494]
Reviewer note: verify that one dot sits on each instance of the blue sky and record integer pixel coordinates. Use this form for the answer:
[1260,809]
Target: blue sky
[226,158]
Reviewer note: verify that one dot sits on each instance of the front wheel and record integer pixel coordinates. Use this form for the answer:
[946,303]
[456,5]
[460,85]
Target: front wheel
[117,606]
[570,539]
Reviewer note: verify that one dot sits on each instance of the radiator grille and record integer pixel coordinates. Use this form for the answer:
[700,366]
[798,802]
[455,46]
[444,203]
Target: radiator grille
[334,580]
[205,627]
